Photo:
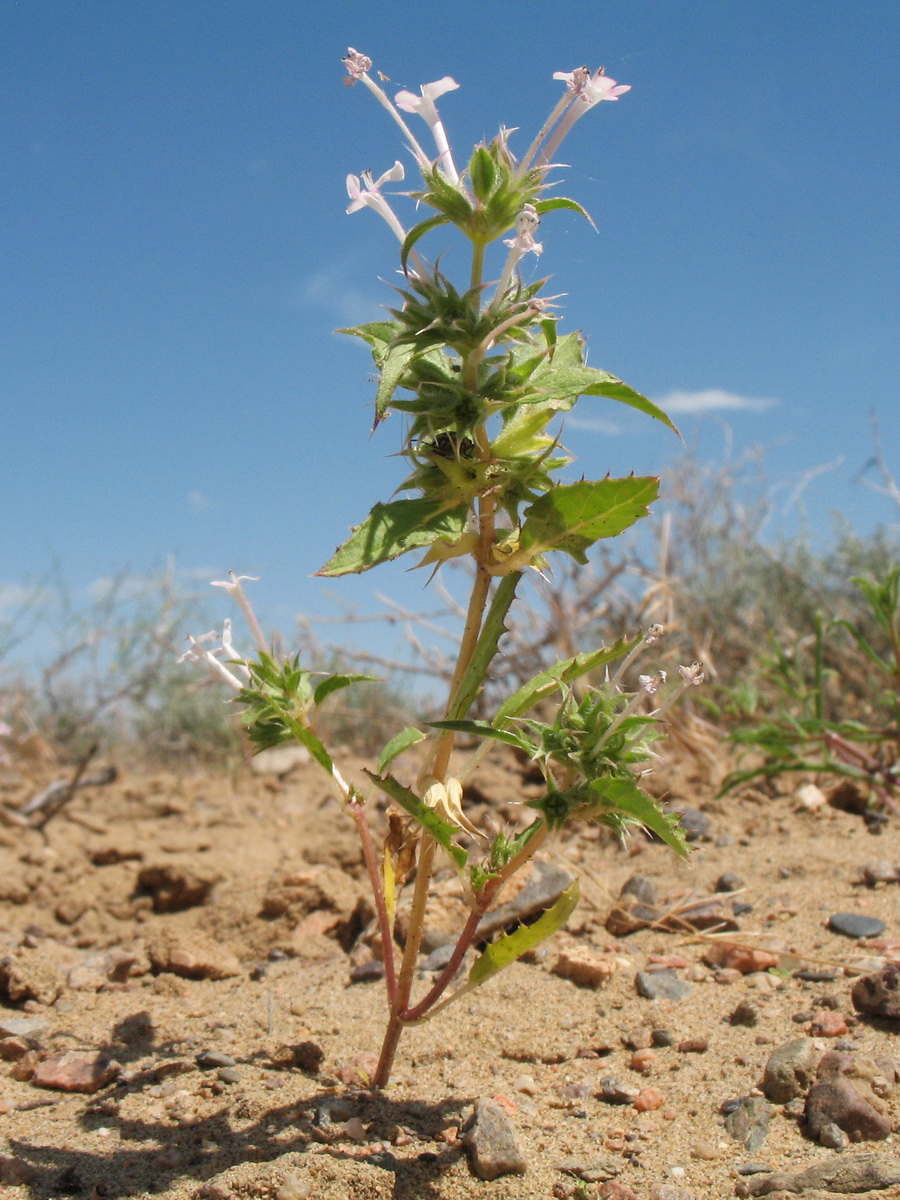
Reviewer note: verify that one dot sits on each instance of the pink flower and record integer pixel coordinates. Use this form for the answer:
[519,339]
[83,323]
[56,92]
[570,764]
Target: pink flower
[591,89]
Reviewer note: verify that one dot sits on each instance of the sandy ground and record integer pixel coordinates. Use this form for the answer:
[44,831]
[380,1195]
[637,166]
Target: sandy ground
[253,885]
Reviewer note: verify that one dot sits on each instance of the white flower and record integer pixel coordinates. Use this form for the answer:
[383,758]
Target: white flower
[526,223]
[693,675]
[591,89]
[357,64]
[425,107]
[233,587]
[198,653]
[650,684]
[365,192]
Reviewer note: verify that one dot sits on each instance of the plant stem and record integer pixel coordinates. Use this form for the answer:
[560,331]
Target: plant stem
[357,812]
[408,965]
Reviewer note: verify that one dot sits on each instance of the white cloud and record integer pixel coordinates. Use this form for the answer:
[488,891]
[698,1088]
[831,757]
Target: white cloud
[711,400]
[333,292]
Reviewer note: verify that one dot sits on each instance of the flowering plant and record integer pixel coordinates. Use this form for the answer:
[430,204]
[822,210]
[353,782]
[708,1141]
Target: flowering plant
[479,372]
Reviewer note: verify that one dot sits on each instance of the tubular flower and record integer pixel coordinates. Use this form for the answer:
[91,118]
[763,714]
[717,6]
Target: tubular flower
[585,90]
[425,107]
[365,192]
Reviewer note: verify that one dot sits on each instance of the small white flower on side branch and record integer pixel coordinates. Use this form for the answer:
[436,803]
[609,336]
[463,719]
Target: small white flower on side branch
[425,107]
[233,587]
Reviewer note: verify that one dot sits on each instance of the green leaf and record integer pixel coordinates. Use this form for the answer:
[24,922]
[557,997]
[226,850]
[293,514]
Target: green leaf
[573,516]
[486,647]
[484,729]
[335,683]
[442,831]
[622,800]
[511,946]
[399,742]
[565,376]
[544,206]
[392,529]
[419,231]
[547,682]
[393,365]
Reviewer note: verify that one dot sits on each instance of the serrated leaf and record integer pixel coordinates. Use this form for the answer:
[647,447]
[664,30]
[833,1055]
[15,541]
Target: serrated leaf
[623,798]
[572,517]
[442,831]
[564,671]
[399,742]
[511,946]
[334,683]
[392,529]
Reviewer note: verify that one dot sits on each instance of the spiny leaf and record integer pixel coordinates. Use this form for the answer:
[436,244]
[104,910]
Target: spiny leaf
[547,682]
[573,516]
[392,529]
[510,946]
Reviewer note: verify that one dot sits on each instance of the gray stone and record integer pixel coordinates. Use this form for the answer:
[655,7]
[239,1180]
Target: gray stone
[661,985]
[544,887]
[790,1070]
[594,1170]
[611,1091]
[694,823]
[210,1060]
[845,1174]
[855,925]
[748,1122]
[492,1142]
[730,881]
[29,1028]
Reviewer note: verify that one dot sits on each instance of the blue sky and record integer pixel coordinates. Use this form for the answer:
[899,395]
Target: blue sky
[176,256]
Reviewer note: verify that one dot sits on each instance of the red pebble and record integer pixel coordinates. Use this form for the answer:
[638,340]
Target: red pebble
[642,1060]
[828,1024]
[649,1098]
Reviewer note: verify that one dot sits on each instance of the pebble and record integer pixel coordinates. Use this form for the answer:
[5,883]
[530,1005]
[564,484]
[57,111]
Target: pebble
[730,881]
[72,1071]
[29,1028]
[611,1091]
[745,1014]
[845,1173]
[833,1099]
[828,1024]
[372,970]
[669,1191]
[790,1069]
[648,1099]
[228,1075]
[642,1061]
[663,1037]
[748,1122]
[856,925]
[594,1170]
[661,985]
[613,1190]
[878,994]
[294,1188]
[694,823]
[693,1046]
[810,976]
[584,966]
[492,1142]
[745,959]
[545,885]
[209,1060]
[638,1039]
